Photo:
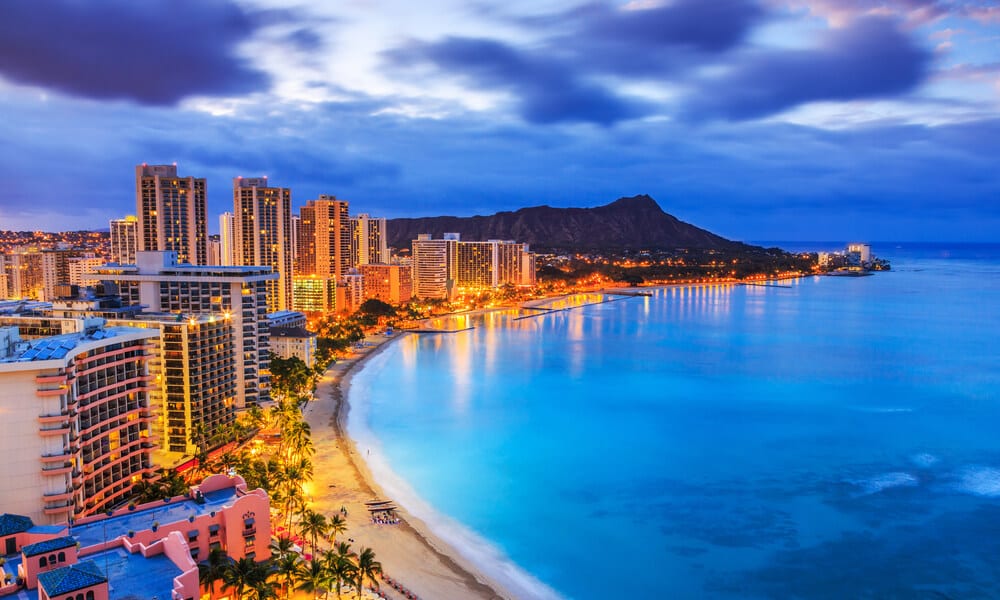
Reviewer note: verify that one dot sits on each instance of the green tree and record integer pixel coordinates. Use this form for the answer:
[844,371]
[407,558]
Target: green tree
[314,525]
[367,567]
[213,569]
[245,575]
[287,567]
[290,377]
[313,577]
[339,567]
[336,526]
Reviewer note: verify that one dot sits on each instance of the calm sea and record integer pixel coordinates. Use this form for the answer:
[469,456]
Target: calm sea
[836,438]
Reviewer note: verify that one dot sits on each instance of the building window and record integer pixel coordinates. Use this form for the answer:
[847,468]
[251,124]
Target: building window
[62,556]
[42,562]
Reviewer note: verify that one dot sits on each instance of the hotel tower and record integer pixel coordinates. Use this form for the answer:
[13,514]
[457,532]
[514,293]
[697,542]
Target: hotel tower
[262,234]
[172,212]
[76,420]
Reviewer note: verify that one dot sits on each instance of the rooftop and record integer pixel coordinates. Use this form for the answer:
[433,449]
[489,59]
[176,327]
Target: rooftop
[71,578]
[291,332]
[133,576]
[96,532]
[58,346]
[48,546]
[11,524]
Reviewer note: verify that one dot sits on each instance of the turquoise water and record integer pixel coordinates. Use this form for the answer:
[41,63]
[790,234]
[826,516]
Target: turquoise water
[836,438]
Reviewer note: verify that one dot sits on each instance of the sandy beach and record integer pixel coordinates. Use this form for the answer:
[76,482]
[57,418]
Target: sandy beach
[409,552]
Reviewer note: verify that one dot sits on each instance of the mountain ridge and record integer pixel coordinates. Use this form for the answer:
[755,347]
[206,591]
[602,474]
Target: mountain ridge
[630,222]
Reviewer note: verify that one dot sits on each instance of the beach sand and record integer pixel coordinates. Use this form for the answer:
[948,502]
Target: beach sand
[409,552]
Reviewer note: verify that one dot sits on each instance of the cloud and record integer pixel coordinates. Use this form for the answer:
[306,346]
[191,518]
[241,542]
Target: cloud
[869,58]
[548,90]
[708,26]
[154,52]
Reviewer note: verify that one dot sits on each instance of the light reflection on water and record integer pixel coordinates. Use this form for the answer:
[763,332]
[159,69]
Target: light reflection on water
[834,438]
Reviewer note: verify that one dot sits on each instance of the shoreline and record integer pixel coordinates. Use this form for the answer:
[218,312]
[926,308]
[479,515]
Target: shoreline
[410,552]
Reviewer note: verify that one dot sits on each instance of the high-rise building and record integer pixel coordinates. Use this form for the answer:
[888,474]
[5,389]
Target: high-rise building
[353,289]
[192,366]
[25,279]
[262,234]
[435,266]
[55,268]
[173,213]
[214,251]
[369,241]
[296,228]
[194,374]
[76,420]
[228,251]
[79,267]
[124,240]
[492,264]
[239,294]
[388,283]
[314,294]
[325,238]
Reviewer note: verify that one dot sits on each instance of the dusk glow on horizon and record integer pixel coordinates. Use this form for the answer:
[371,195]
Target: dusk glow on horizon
[757,120]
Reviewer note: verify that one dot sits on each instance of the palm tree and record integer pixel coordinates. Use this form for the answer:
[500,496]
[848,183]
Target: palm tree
[314,525]
[339,565]
[213,569]
[296,438]
[336,526]
[367,567]
[287,566]
[245,574]
[313,577]
[281,546]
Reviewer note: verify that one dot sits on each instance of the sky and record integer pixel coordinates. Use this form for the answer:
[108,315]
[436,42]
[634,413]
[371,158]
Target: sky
[756,119]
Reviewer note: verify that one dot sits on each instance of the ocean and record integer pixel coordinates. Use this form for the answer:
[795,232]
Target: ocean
[834,438]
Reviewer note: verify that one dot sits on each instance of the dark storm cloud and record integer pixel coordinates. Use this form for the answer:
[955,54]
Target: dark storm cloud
[651,42]
[548,90]
[707,26]
[869,58]
[153,52]
[557,78]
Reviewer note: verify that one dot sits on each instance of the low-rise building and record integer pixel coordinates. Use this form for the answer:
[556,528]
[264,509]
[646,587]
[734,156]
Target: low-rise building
[287,342]
[145,551]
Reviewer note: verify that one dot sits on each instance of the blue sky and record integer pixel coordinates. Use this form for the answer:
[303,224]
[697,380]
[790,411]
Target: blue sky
[757,119]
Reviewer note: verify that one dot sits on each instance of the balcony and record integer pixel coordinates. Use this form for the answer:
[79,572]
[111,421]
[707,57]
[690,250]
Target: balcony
[63,378]
[59,509]
[47,419]
[57,469]
[58,496]
[46,392]
[52,431]
[57,458]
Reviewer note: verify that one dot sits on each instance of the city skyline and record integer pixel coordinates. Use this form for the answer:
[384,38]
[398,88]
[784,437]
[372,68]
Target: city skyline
[778,119]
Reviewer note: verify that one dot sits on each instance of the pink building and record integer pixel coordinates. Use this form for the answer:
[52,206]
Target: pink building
[146,551]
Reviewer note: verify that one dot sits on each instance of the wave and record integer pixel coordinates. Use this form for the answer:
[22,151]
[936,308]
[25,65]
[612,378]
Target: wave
[883,409]
[886,481]
[925,460]
[979,481]
[485,555]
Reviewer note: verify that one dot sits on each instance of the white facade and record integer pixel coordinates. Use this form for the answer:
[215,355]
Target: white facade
[159,283]
[75,428]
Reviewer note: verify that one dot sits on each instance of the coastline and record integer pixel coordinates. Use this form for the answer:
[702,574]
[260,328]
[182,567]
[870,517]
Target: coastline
[410,552]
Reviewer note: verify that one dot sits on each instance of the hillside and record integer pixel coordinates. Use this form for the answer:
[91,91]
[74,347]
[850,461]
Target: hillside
[637,222]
